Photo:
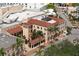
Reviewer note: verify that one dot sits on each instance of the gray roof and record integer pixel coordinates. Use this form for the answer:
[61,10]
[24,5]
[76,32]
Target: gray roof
[6,40]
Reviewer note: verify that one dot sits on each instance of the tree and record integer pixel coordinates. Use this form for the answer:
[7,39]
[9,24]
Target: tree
[77,50]
[19,45]
[39,33]
[50,6]
[2,52]
[36,34]
[75,4]
[64,48]
[55,30]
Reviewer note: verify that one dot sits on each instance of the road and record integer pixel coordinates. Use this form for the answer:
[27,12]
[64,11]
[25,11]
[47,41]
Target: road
[74,32]
[64,16]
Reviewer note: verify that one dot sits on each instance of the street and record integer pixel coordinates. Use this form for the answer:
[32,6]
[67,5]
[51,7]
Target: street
[63,15]
[74,32]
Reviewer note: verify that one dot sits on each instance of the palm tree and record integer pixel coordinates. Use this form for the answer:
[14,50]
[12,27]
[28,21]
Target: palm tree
[2,52]
[55,30]
[39,33]
[36,34]
[19,45]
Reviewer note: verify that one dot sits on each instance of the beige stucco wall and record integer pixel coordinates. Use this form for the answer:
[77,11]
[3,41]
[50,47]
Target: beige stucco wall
[43,30]
[26,32]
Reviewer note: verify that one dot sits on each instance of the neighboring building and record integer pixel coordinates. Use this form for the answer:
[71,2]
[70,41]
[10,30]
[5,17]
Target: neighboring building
[6,9]
[18,17]
[36,6]
[15,30]
[35,25]
[75,12]
[68,9]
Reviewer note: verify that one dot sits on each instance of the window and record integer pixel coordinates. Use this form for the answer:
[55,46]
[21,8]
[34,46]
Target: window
[41,27]
[34,29]
[38,27]
[25,3]
[31,30]
[30,6]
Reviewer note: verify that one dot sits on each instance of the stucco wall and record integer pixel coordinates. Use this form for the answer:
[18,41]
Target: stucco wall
[26,32]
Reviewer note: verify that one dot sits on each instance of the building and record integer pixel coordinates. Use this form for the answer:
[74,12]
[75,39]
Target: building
[35,25]
[15,30]
[36,6]
[7,8]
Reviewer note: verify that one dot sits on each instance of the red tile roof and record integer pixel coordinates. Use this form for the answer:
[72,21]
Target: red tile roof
[15,29]
[39,22]
[44,23]
[36,40]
